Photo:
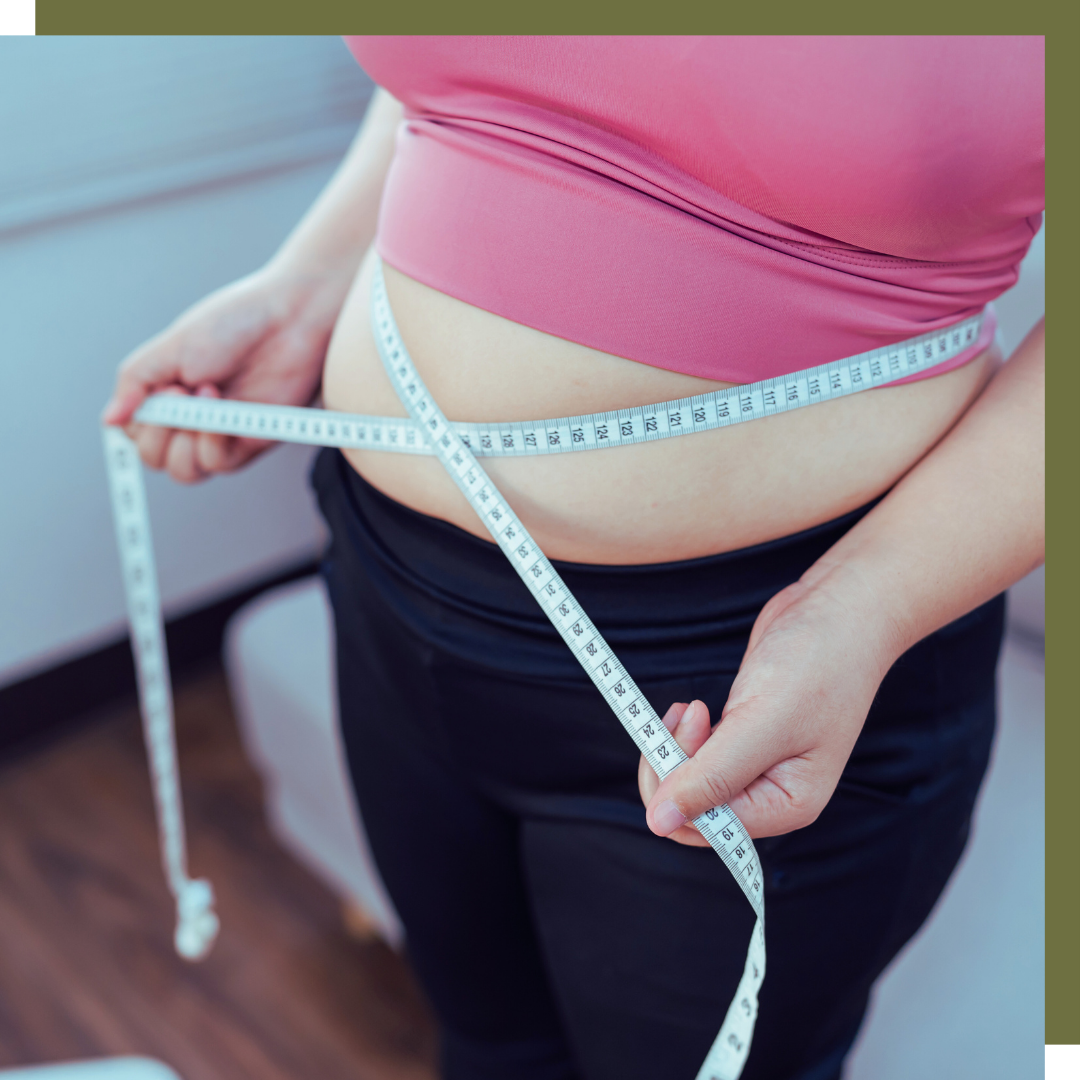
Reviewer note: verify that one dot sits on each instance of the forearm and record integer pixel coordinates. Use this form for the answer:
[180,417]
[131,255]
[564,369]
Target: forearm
[961,526]
[333,235]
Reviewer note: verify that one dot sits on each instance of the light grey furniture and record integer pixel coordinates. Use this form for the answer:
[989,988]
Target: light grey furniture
[279,660]
[122,1068]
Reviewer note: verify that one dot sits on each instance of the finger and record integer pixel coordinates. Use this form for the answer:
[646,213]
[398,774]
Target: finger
[694,728]
[673,717]
[156,363]
[733,757]
[236,452]
[688,835]
[180,459]
[691,734]
[690,726]
[123,404]
[211,449]
[648,781]
[213,453]
[152,442]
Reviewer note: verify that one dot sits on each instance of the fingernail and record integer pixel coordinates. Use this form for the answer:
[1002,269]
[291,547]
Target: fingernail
[110,412]
[689,714]
[667,818]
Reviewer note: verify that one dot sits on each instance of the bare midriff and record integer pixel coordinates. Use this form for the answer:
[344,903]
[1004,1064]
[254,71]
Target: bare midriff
[657,502]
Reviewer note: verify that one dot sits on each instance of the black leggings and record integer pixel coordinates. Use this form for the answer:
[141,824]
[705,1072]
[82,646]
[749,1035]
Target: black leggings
[557,937]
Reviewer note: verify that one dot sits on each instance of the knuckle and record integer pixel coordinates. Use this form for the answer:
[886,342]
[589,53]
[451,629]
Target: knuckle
[712,788]
[807,815]
[804,809]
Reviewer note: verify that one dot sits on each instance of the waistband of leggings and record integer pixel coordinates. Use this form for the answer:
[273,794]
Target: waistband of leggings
[419,552]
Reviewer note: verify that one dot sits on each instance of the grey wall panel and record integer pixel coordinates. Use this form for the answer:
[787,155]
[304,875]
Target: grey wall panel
[89,268]
[89,124]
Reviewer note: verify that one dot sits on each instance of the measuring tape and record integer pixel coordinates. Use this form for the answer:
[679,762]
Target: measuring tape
[457,446]
[598,431]
[196,925]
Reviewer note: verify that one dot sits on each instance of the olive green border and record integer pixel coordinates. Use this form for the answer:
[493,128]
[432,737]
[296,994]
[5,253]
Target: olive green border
[1063,528]
[1060,24]
[555,16]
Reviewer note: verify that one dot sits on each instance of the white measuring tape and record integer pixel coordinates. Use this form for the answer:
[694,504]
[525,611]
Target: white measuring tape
[196,925]
[457,445]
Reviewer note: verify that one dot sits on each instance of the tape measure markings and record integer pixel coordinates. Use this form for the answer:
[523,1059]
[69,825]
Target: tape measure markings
[197,925]
[596,431]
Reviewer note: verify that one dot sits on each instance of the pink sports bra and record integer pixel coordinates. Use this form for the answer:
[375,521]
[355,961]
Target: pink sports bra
[729,207]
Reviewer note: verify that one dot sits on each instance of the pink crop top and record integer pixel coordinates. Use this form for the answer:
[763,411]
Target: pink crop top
[729,207]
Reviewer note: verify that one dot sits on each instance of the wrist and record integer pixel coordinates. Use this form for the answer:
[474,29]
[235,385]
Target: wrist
[318,258]
[313,271]
[311,292]
[861,609]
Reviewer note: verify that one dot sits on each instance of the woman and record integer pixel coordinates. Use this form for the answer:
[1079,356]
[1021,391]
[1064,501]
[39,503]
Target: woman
[574,225]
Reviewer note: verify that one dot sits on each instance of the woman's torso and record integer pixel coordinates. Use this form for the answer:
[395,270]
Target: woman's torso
[656,502]
[713,209]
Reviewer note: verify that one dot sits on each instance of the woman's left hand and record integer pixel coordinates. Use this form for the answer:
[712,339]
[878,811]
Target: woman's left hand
[796,707]
[962,525]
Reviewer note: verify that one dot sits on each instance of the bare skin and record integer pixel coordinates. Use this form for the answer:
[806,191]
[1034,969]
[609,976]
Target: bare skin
[960,456]
[656,502]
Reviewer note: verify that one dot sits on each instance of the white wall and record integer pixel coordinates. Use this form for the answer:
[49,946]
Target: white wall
[1023,305]
[137,175]
[69,316]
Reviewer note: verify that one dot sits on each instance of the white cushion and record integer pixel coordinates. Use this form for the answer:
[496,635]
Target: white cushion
[279,658]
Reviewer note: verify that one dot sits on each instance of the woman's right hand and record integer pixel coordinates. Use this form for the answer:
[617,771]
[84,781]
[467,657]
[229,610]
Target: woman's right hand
[262,338]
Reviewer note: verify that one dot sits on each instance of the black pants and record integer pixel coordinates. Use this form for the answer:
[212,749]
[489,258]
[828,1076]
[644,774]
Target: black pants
[557,937]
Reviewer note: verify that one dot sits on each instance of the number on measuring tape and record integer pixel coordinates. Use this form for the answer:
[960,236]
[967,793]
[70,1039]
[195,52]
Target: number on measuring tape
[601,431]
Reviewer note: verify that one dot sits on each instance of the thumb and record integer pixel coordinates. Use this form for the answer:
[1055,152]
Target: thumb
[206,344]
[736,755]
[122,405]
[153,365]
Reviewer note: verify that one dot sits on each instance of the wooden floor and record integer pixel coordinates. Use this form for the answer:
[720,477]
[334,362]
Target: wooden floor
[86,961]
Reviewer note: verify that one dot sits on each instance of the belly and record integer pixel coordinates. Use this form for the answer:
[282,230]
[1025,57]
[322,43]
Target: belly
[657,502]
